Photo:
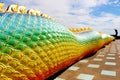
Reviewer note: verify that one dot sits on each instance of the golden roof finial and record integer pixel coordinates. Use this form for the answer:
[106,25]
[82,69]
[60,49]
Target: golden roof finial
[31,12]
[12,8]
[22,9]
[37,12]
[1,7]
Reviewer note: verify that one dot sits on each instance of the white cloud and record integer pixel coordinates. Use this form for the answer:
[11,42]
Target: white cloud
[89,3]
[48,5]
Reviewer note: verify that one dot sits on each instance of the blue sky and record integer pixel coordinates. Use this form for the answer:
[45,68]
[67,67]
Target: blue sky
[113,8]
[101,15]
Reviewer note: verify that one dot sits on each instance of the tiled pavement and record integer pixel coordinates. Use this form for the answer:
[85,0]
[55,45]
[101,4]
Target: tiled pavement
[104,65]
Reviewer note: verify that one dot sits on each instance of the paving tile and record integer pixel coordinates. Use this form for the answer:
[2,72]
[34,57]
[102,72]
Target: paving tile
[100,55]
[83,61]
[85,77]
[111,54]
[97,59]
[74,68]
[94,65]
[118,53]
[110,57]
[59,79]
[110,63]
[109,73]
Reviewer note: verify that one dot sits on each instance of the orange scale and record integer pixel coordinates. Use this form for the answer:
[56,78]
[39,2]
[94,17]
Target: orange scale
[31,64]
[25,60]
[4,77]
[30,75]
[23,77]
[46,73]
[2,68]
[47,61]
[14,63]
[40,76]
[5,59]
[51,71]
[9,71]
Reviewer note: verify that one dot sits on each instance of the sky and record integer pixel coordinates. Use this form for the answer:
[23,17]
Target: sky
[101,15]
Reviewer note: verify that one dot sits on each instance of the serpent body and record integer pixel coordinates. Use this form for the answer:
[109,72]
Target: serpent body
[34,48]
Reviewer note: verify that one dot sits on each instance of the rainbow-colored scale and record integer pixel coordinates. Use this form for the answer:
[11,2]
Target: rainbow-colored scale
[34,47]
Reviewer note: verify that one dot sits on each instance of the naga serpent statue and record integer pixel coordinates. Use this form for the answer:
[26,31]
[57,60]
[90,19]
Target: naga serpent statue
[33,46]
